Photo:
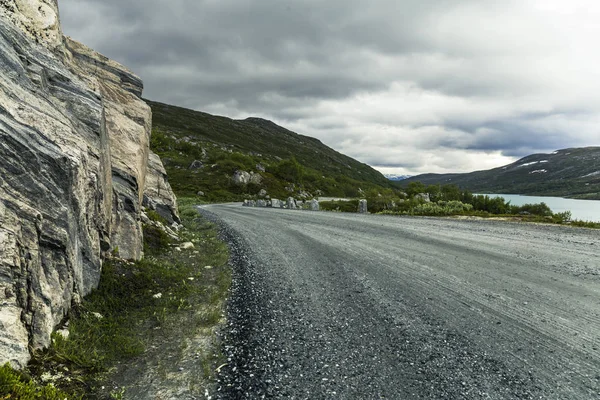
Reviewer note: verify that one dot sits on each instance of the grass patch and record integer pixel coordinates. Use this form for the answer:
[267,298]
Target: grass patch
[155,216]
[556,218]
[17,385]
[585,224]
[169,294]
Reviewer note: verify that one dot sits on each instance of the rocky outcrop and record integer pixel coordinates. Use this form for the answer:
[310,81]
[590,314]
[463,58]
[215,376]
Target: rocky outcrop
[244,178]
[74,154]
[249,203]
[158,195]
[314,205]
[276,203]
[362,207]
[423,197]
[196,164]
[128,124]
[37,19]
[291,203]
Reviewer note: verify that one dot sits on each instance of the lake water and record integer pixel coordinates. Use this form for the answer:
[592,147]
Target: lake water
[585,210]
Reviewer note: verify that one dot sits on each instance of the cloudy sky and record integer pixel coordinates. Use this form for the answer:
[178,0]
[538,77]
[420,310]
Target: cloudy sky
[407,86]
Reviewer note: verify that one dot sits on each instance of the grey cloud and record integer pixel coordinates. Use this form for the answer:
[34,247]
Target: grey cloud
[492,77]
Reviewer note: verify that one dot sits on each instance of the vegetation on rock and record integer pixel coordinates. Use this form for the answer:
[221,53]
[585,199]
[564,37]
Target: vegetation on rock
[18,385]
[137,308]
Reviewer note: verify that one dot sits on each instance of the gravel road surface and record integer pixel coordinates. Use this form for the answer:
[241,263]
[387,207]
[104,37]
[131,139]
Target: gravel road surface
[344,306]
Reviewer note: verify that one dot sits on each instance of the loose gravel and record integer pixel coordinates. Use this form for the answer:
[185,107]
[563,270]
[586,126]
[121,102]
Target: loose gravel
[330,305]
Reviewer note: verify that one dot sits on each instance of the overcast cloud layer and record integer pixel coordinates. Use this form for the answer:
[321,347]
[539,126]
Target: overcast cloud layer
[407,86]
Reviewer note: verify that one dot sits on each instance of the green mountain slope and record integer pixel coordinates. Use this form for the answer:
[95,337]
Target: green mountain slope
[202,152]
[571,172]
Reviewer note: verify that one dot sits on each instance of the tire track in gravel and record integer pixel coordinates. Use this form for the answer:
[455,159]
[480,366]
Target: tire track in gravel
[328,305]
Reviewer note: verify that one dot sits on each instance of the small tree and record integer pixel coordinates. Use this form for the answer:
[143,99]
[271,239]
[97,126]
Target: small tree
[450,192]
[435,192]
[290,170]
[415,188]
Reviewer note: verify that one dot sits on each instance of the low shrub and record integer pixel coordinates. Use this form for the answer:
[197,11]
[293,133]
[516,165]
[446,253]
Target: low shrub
[540,209]
[16,385]
[155,239]
[155,216]
[453,207]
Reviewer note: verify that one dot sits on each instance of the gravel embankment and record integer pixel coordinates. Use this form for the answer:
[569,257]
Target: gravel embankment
[329,305]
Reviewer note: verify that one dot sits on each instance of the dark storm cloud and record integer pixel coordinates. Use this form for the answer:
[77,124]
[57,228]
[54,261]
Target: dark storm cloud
[416,85]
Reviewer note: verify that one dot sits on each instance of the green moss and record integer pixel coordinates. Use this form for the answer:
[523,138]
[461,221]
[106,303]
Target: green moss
[155,240]
[155,216]
[16,385]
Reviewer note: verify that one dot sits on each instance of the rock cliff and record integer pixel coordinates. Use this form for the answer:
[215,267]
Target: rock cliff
[158,194]
[74,161]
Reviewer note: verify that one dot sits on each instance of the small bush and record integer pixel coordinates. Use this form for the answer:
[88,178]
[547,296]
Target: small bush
[453,207]
[289,170]
[155,239]
[586,224]
[561,217]
[540,209]
[230,166]
[15,385]
[155,216]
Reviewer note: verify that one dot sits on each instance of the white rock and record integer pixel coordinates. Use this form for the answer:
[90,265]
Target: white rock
[76,131]
[362,206]
[291,203]
[64,333]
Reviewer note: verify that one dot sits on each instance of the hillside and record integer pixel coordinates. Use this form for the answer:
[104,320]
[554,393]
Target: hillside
[571,173]
[202,153]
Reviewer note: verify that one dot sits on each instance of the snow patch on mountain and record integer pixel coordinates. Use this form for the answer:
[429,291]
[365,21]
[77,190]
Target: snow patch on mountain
[396,177]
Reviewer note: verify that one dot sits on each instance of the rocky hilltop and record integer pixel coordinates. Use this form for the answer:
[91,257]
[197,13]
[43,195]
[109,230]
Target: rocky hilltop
[75,172]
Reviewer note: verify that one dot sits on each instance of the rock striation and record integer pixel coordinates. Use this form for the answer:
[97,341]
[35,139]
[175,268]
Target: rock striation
[158,195]
[128,124]
[74,163]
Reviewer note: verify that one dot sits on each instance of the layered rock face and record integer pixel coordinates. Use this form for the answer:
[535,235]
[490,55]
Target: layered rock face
[128,123]
[158,194]
[74,138]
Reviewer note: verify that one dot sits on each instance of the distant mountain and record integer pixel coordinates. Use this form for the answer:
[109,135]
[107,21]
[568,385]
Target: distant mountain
[396,178]
[571,173]
[201,153]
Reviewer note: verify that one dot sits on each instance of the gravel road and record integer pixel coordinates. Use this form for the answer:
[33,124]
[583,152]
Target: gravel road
[345,306]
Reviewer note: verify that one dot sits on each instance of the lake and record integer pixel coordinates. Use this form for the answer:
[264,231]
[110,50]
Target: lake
[585,210]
